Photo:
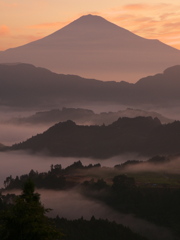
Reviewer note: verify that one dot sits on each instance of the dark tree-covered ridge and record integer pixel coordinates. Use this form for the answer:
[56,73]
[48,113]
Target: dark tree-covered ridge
[56,178]
[143,135]
[96,229]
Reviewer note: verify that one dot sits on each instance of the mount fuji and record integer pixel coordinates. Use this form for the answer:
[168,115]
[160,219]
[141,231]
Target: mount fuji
[93,47]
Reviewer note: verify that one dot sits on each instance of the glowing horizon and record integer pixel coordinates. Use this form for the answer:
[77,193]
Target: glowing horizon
[23,22]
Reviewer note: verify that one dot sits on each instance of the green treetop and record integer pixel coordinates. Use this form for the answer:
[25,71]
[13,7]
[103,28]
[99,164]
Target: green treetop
[26,219]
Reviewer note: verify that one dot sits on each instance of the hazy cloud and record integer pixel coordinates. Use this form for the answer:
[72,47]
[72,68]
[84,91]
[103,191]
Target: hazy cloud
[169,167]
[172,25]
[8,5]
[56,25]
[16,163]
[4,30]
[165,16]
[28,38]
[148,7]
[11,134]
[148,20]
[135,7]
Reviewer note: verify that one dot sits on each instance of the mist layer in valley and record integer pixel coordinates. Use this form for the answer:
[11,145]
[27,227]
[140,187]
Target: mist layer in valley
[53,91]
[72,205]
[18,163]
[83,116]
[18,125]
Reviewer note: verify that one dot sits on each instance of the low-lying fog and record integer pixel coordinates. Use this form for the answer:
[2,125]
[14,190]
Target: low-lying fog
[14,133]
[16,163]
[10,134]
[72,205]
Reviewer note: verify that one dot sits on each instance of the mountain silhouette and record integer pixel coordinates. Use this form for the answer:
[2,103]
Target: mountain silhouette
[24,85]
[142,135]
[84,116]
[69,139]
[93,47]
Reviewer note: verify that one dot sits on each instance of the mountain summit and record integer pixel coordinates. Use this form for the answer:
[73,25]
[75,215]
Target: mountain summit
[96,48]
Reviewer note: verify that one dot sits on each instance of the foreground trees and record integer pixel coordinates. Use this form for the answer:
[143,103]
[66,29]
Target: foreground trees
[26,220]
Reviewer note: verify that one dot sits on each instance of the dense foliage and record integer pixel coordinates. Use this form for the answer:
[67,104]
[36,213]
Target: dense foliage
[94,229]
[158,203]
[25,218]
[56,178]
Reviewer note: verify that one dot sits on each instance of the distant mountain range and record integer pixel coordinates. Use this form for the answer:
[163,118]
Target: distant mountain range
[84,116]
[142,135]
[24,85]
[93,47]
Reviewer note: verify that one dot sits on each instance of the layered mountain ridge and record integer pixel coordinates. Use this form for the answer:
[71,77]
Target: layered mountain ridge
[24,85]
[84,116]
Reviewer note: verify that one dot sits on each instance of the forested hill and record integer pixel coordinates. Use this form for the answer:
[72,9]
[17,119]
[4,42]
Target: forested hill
[19,82]
[143,135]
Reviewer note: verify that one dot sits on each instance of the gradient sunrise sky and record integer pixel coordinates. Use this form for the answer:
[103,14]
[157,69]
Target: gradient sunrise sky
[23,21]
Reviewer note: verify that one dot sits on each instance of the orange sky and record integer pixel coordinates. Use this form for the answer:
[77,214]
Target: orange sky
[25,21]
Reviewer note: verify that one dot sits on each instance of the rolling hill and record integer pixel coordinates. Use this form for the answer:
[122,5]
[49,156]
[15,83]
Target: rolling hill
[142,135]
[24,85]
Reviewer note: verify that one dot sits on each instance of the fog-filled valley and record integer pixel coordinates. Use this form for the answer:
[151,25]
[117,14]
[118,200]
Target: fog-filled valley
[90,119]
[72,205]
[26,162]
[17,126]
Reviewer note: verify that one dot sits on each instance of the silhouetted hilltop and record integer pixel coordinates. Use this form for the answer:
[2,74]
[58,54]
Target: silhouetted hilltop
[79,115]
[143,135]
[93,47]
[2,146]
[84,116]
[23,85]
[160,87]
[137,124]
[26,85]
